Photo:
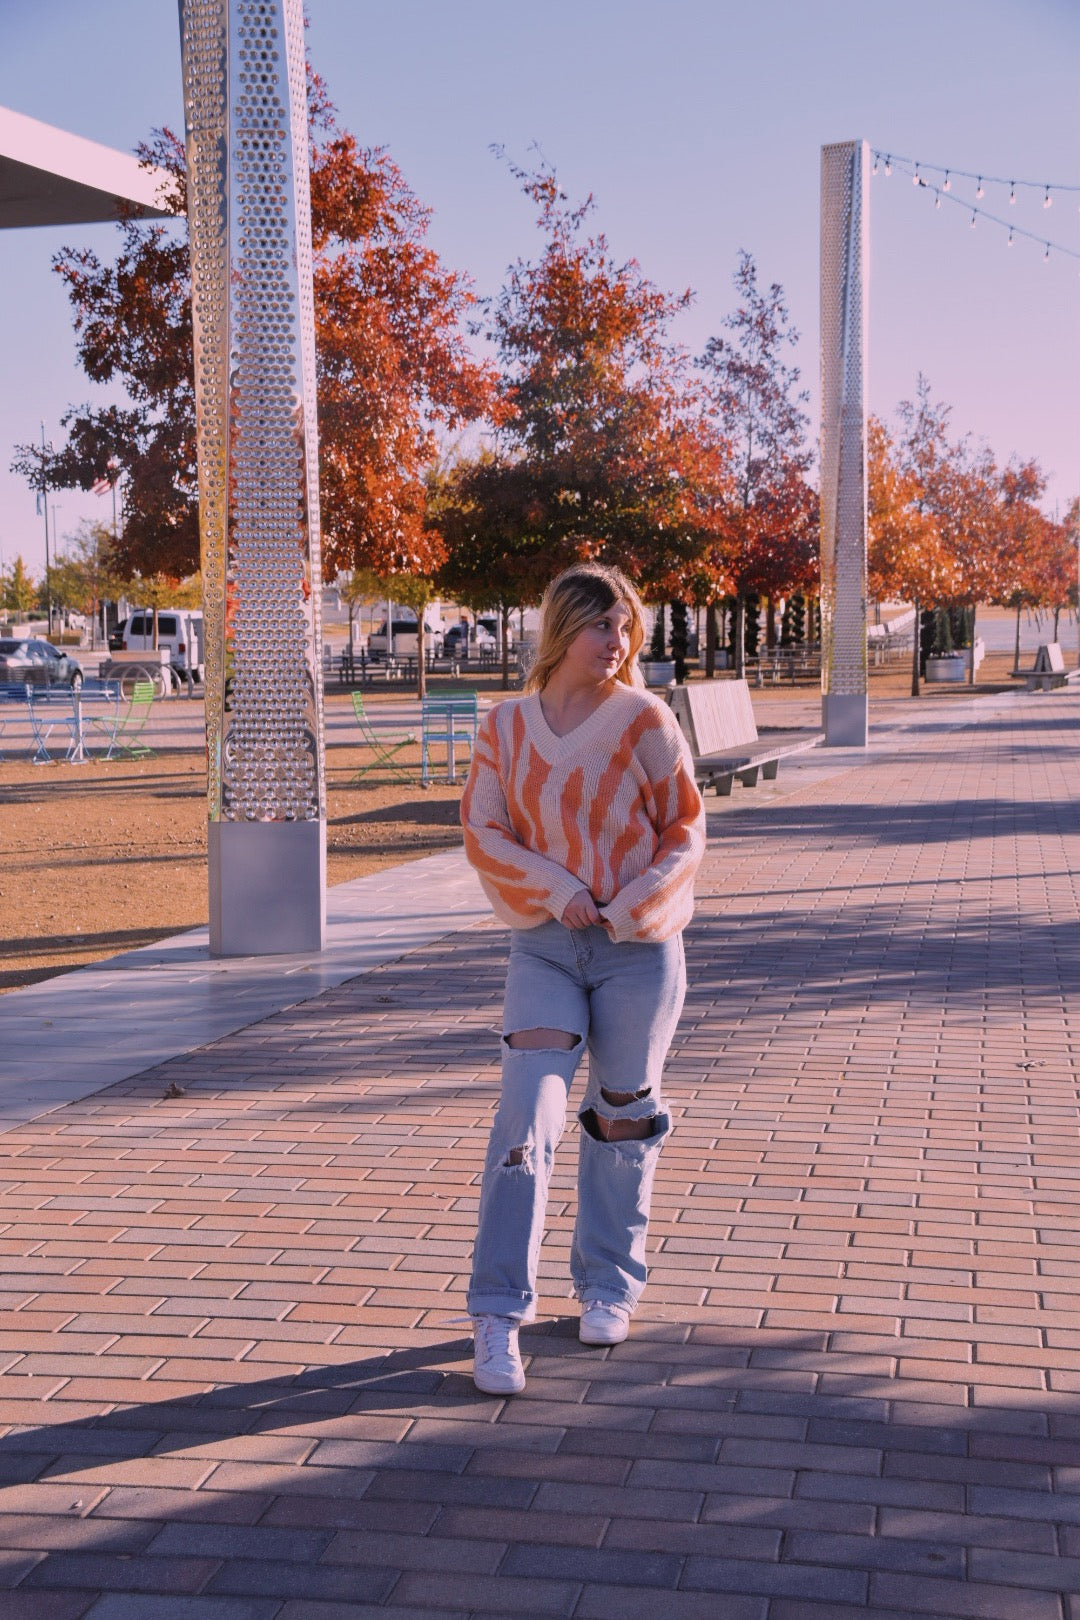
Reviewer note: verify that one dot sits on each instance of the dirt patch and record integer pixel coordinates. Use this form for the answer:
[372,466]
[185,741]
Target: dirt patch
[101,858]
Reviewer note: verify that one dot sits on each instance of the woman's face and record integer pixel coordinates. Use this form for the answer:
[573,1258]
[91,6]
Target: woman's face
[599,651]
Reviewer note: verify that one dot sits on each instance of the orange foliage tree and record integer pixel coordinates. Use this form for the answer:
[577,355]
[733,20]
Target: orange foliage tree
[950,528]
[598,451]
[393,366]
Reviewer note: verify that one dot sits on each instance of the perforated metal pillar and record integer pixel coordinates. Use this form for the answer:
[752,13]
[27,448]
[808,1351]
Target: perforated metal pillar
[249,216]
[845,254]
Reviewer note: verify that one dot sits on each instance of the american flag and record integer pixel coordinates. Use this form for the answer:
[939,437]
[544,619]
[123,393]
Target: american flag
[101,486]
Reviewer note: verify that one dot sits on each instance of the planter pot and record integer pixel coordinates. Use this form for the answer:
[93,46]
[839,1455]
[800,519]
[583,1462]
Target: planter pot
[657,673]
[951,668]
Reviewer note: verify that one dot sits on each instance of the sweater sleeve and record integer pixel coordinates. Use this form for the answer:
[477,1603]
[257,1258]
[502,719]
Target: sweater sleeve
[660,901]
[524,887]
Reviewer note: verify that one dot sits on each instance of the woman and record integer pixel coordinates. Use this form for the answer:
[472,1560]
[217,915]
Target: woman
[585,826]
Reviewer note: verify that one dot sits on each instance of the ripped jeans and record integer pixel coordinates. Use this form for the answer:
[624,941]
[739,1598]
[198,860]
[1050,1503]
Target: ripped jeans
[621,1002]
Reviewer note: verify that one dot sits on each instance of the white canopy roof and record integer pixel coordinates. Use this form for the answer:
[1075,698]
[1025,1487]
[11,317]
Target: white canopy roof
[48,177]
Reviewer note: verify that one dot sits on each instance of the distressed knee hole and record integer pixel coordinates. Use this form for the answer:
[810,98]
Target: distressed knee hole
[616,1130]
[542,1040]
[518,1158]
[623,1099]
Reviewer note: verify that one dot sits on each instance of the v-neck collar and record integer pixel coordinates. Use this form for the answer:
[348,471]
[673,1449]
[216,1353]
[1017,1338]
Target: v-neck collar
[584,731]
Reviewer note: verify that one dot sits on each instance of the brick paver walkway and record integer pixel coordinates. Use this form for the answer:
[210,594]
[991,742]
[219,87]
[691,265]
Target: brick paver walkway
[232,1380]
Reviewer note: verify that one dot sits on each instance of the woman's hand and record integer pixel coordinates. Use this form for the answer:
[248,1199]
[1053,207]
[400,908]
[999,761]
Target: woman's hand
[581,911]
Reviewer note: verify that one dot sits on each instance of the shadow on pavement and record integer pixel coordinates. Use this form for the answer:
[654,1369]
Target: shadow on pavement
[691,1459]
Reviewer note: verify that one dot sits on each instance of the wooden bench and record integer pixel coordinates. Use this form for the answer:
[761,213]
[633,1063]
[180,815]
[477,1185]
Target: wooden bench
[717,720]
[1049,671]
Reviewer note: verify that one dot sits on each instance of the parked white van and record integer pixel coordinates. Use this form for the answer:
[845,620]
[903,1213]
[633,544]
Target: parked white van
[178,629]
[406,637]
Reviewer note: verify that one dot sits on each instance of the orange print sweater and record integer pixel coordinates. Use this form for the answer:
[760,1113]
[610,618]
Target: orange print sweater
[612,807]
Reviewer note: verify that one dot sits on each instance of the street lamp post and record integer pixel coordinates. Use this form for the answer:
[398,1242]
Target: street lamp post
[44,492]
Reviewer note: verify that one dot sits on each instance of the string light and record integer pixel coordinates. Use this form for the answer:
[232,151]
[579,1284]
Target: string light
[874,170]
[939,192]
[981,180]
[888,168]
[1048,201]
[1012,194]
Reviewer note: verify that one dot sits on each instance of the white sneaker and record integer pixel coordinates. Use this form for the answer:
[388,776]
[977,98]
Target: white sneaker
[497,1366]
[602,1323]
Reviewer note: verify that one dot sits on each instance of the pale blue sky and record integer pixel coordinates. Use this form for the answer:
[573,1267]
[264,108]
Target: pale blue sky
[697,126]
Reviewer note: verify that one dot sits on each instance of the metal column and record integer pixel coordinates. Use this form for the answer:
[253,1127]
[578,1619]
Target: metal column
[249,213]
[845,255]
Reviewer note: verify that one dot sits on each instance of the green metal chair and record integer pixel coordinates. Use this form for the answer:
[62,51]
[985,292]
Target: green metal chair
[124,732]
[383,746]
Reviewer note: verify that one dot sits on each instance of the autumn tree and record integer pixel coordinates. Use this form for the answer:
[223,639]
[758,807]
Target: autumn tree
[20,594]
[767,539]
[906,558]
[84,574]
[1037,554]
[393,365]
[595,453]
[494,562]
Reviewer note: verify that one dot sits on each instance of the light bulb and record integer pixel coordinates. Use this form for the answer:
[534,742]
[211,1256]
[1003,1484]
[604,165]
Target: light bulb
[1048,201]
[888,168]
[1046,255]
[875,167]
[1010,238]
[979,189]
[947,183]
[1012,192]
[915,180]
[937,202]
[973,219]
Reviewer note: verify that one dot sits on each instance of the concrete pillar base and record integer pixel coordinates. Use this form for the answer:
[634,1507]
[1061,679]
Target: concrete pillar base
[846,720]
[267,887]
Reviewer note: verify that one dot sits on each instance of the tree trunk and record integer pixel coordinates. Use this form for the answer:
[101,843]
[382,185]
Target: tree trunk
[971,669]
[505,622]
[421,656]
[770,623]
[1016,650]
[710,641]
[915,650]
[740,637]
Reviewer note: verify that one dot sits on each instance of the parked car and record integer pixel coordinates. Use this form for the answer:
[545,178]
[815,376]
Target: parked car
[406,639]
[463,640]
[38,663]
[178,629]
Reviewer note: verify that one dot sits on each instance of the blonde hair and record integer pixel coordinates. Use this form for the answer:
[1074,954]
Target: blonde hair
[572,600]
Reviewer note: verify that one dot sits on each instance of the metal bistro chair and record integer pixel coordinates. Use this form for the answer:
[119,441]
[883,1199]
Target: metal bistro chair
[49,707]
[18,693]
[383,746]
[451,720]
[124,731]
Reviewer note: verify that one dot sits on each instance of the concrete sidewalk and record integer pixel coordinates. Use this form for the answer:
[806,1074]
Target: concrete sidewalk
[233,1378]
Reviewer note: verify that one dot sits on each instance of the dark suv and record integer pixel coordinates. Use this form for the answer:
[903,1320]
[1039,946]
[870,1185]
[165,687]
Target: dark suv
[37,663]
